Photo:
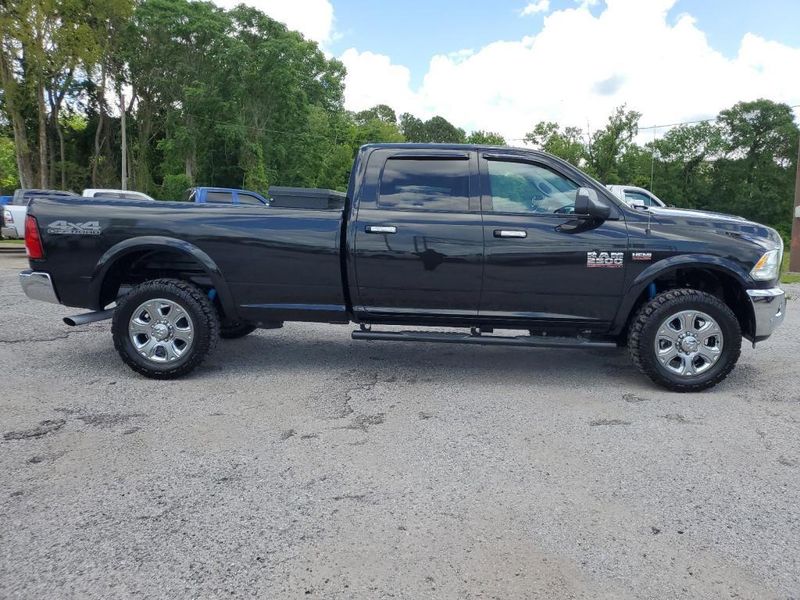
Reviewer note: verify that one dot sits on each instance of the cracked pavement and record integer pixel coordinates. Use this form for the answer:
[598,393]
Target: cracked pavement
[298,463]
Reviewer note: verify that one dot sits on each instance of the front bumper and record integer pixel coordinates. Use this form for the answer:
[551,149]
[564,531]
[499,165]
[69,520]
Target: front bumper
[769,308]
[38,286]
[9,232]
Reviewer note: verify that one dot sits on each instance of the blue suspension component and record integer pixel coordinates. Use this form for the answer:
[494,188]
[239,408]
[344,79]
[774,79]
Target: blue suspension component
[651,290]
[212,294]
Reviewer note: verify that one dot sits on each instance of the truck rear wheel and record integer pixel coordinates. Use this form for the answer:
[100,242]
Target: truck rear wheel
[164,328]
[685,340]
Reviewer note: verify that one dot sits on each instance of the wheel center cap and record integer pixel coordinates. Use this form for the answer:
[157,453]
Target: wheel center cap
[160,331]
[690,344]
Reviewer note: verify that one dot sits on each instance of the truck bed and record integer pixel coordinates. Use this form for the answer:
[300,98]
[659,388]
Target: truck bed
[277,263]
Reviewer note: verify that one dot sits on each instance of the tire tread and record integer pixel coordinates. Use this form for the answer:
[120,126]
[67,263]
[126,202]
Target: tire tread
[643,318]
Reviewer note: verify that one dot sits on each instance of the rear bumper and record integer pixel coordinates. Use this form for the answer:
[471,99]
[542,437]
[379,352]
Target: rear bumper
[769,309]
[38,286]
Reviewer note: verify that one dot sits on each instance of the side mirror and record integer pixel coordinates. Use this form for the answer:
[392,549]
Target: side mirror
[588,203]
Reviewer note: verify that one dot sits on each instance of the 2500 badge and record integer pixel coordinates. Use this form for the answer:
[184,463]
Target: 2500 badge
[606,260]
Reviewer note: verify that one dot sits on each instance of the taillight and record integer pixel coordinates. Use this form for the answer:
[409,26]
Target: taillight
[33,243]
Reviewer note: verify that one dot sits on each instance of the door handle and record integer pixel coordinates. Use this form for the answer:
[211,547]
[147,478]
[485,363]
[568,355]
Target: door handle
[380,229]
[510,233]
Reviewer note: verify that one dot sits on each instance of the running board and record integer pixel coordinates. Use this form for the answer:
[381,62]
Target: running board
[538,341]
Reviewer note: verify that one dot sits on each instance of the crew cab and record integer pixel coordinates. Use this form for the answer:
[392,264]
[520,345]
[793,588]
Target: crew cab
[429,236]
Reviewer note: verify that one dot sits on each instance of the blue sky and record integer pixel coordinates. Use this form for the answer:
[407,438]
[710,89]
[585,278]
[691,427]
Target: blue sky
[485,65]
[412,31]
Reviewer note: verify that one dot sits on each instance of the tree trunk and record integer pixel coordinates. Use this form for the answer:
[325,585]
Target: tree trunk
[63,156]
[99,130]
[21,148]
[42,110]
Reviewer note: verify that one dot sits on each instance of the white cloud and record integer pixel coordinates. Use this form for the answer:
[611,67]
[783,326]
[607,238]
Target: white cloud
[312,18]
[535,7]
[578,68]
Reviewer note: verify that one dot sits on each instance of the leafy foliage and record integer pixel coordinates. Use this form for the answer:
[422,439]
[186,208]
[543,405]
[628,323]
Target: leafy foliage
[742,163]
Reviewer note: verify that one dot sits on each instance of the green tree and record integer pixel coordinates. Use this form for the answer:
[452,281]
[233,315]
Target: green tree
[566,143]
[608,145]
[435,130]
[488,138]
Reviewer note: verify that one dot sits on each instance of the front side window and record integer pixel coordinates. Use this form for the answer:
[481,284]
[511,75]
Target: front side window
[517,187]
[425,184]
[248,199]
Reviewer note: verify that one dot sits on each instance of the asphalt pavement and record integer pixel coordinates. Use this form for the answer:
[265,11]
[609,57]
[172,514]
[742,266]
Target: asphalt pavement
[296,463]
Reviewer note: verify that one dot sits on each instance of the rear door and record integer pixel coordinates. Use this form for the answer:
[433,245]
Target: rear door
[418,240]
[543,262]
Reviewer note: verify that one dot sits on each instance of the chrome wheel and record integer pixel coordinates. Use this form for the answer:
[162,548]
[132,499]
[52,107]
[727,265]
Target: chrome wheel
[689,343]
[161,330]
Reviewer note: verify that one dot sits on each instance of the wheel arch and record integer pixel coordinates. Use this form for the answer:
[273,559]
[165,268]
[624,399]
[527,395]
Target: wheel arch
[719,276]
[110,271]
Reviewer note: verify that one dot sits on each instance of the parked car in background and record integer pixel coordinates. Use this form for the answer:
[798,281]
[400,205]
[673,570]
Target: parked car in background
[201,195]
[3,201]
[13,225]
[636,196]
[118,194]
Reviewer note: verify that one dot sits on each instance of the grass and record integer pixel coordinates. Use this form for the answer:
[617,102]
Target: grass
[5,241]
[786,276]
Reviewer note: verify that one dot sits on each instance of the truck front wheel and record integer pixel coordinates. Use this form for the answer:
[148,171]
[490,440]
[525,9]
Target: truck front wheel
[685,340]
[164,328]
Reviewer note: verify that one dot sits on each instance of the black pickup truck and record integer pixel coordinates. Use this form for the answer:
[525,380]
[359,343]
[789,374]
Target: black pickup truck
[432,236]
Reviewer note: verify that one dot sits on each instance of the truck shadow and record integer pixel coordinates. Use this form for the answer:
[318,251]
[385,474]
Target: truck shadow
[266,351]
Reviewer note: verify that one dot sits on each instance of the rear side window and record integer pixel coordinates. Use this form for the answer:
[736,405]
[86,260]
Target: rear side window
[425,184]
[248,199]
[222,197]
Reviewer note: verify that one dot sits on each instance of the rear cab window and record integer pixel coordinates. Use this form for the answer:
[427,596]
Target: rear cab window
[427,184]
[219,197]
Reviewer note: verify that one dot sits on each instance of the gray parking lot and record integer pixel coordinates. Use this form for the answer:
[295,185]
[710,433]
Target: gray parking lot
[297,463]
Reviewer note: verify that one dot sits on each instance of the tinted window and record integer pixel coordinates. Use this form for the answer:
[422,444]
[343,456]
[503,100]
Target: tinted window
[226,197]
[639,198]
[249,199]
[517,187]
[425,184]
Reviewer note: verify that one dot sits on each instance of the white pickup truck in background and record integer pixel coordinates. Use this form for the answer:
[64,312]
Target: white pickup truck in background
[13,223]
[636,196]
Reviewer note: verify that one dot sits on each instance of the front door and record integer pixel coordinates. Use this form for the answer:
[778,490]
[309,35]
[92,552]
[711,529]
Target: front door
[544,263]
[418,237]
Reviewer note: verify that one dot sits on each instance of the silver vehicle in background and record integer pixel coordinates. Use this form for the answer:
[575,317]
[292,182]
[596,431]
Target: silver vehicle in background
[118,194]
[636,197]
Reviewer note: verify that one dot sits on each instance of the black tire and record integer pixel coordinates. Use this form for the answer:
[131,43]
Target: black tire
[202,328]
[650,317]
[232,331]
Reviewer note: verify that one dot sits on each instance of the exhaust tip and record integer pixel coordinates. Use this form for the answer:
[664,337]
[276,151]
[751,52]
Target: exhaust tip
[70,321]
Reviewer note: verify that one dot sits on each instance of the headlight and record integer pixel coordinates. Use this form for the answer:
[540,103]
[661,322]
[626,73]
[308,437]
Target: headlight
[768,266]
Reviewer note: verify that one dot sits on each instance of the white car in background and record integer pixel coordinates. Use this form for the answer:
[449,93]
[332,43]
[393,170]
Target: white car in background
[636,196]
[118,194]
